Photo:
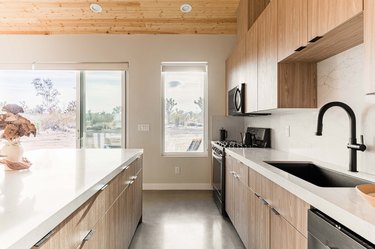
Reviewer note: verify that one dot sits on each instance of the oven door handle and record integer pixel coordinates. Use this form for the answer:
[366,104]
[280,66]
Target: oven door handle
[218,157]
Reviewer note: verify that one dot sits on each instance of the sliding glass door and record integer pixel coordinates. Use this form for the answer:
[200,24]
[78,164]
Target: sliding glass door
[70,108]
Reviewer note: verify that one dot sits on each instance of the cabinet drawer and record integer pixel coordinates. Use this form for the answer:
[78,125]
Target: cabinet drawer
[252,180]
[243,173]
[263,187]
[138,164]
[292,208]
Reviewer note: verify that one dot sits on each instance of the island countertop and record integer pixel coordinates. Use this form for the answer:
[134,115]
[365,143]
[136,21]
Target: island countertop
[342,204]
[34,201]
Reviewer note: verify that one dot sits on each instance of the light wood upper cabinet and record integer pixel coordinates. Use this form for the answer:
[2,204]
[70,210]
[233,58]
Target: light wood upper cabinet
[255,8]
[251,64]
[242,19]
[236,68]
[369,21]
[267,57]
[325,15]
[292,26]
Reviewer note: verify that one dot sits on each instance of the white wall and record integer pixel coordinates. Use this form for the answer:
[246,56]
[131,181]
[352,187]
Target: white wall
[339,78]
[144,53]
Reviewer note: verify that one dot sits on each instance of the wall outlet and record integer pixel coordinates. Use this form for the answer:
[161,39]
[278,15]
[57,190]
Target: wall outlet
[287,131]
[177,170]
[143,127]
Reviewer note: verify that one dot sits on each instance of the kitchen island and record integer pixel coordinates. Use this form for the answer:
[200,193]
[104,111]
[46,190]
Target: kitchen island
[35,202]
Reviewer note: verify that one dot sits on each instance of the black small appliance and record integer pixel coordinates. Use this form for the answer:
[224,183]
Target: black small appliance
[259,137]
[223,134]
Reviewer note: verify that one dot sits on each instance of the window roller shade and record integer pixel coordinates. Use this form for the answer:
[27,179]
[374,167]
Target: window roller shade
[182,67]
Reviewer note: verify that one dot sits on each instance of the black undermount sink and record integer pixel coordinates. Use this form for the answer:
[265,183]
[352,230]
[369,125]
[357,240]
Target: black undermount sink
[318,176]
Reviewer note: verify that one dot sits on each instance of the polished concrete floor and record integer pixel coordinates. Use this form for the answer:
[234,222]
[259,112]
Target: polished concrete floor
[183,220]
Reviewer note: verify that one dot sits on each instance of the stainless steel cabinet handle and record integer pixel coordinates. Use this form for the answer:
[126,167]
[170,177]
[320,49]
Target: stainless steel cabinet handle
[131,182]
[264,201]
[44,239]
[125,167]
[104,187]
[232,172]
[89,235]
[275,211]
[258,196]
[134,177]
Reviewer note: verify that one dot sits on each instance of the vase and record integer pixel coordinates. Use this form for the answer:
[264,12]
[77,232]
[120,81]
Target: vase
[13,151]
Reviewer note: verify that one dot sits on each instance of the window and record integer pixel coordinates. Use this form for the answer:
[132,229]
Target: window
[70,108]
[184,98]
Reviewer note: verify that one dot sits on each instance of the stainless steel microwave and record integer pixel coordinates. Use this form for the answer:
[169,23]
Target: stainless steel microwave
[236,100]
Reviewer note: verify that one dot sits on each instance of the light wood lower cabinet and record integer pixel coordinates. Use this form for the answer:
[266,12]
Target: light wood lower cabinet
[265,215]
[284,235]
[229,187]
[237,191]
[107,220]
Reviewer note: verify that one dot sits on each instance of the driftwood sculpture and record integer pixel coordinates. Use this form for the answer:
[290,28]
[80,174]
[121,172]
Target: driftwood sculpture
[15,126]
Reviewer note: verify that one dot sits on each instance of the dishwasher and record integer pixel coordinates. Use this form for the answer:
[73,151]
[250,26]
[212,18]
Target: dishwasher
[326,233]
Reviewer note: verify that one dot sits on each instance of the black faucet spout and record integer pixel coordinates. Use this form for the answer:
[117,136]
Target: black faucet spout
[352,145]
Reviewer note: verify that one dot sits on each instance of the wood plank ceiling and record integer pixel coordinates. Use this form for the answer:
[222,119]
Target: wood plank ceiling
[117,17]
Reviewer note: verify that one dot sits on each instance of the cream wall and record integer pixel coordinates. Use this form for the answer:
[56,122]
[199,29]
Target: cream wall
[339,78]
[144,53]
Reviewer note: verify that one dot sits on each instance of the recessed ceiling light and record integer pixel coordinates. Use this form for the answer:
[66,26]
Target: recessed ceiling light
[186,8]
[96,8]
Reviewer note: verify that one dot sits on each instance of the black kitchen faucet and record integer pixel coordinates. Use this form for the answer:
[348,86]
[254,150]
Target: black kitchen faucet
[352,145]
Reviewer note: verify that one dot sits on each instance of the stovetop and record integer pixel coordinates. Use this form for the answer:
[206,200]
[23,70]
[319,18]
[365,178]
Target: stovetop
[231,144]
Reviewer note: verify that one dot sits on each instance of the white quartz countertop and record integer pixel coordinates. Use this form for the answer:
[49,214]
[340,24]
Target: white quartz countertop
[34,201]
[344,205]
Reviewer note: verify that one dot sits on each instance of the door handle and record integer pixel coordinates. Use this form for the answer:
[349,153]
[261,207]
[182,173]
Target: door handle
[89,235]
[300,48]
[316,38]
[275,211]
[104,187]
[44,239]
[264,201]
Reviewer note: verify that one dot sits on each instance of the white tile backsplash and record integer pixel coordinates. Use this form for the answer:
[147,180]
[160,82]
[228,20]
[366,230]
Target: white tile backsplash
[340,78]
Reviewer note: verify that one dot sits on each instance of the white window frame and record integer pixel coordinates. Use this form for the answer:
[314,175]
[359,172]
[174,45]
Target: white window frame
[185,67]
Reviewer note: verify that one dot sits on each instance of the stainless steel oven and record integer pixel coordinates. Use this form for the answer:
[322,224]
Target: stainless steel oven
[218,177]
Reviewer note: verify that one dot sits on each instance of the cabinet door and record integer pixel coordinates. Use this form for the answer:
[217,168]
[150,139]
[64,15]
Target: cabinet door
[253,227]
[292,26]
[242,19]
[230,78]
[98,238]
[267,58]
[137,204]
[262,225]
[251,64]
[229,201]
[369,20]
[284,235]
[241,202]
[325,15]
[291,208]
